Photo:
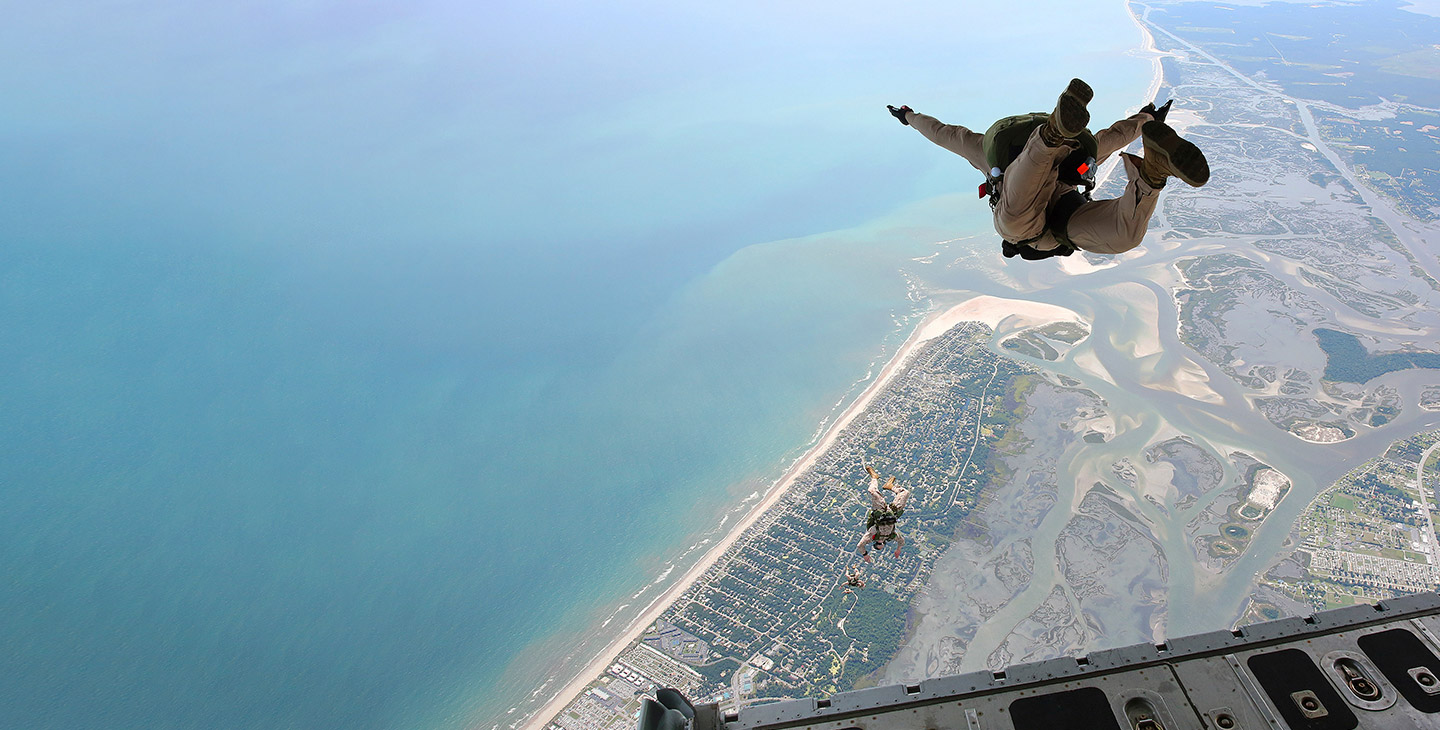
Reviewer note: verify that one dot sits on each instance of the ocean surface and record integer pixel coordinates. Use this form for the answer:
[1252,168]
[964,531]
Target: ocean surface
[367,364]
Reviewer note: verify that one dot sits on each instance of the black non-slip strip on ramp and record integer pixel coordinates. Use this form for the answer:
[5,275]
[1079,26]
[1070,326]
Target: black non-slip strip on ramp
[1396,652]
[1305,699]
[1078,709]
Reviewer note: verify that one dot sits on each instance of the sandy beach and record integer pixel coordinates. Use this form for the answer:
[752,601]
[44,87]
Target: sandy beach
[992,311]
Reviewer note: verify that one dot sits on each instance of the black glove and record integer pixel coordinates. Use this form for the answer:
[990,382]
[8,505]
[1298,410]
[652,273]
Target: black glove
[899,113]
[1160,113]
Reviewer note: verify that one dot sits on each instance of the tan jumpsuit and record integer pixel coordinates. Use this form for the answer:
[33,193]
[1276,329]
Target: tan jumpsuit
[877,503]
[1032,185]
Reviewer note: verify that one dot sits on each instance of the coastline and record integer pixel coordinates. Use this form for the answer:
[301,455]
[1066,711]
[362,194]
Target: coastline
[1075,266]
[923,332]
[1157,79]
[1148,47]
[983,308]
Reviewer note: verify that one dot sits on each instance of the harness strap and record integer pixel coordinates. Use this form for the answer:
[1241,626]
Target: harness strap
[1057,223]
[1058,220]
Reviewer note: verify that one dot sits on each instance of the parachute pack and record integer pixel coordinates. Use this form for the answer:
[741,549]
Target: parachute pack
[878,518]
[1004,141]
[1006,138]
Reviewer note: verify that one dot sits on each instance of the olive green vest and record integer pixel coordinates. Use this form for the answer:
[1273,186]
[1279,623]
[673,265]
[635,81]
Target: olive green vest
[886,517]
[1006,138]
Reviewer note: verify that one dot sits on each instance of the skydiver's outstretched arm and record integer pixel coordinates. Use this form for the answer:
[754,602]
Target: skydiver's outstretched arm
[862,546]
[900,543]
[953,137]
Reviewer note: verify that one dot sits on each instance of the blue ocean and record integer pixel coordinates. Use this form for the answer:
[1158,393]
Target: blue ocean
[361,360]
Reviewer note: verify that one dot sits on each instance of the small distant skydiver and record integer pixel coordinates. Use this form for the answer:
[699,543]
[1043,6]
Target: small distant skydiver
[1034,162]
[880,523]
[853,581]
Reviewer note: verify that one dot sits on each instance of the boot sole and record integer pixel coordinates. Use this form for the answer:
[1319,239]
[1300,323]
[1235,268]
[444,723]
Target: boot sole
[1184,159]
[1071,115]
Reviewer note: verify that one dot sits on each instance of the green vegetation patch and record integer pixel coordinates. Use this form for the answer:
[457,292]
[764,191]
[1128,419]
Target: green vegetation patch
[1067,332]
[1349,362]
[878,624]
[719,672]
[1423,63]
[1030,347]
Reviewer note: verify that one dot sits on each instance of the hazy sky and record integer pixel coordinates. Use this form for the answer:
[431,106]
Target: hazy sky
[508,135]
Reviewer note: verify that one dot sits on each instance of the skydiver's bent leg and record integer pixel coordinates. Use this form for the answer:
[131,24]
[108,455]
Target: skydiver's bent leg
[1119,224]
[902,495]
[877,500]
[1027,187]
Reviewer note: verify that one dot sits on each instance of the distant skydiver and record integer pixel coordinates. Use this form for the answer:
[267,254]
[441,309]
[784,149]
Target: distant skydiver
[880,523]
[1034,162]
[853,581]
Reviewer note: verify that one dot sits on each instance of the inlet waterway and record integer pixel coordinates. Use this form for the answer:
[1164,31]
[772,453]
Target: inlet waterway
[1155,387]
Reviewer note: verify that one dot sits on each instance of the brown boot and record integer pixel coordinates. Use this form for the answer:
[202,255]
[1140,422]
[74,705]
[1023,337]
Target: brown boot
[1070,116]
[890,484]
[1168,155]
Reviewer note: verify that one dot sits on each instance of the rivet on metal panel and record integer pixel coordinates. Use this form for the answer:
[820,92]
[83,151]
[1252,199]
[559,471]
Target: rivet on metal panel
[1425,632]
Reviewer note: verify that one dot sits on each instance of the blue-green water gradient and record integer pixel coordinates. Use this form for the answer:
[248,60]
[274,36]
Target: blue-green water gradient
[359,358]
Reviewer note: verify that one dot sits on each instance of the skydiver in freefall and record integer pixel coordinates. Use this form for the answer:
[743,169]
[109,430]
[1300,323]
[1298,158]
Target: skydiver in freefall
[853,581]
[880,522]
[1034,162]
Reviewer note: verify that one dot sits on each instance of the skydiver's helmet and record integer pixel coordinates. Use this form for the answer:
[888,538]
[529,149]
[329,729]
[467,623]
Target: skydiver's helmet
[1078,169]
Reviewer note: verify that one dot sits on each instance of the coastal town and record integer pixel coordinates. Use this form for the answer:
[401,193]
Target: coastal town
[1368,537]
[772,618]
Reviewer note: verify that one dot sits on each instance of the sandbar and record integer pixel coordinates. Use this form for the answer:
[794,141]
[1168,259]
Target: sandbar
[993,311]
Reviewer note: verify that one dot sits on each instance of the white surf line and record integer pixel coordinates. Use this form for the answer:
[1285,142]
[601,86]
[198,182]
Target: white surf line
[781,486]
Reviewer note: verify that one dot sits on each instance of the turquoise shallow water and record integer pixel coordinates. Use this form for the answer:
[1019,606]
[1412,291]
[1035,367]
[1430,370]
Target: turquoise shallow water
[353,377]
